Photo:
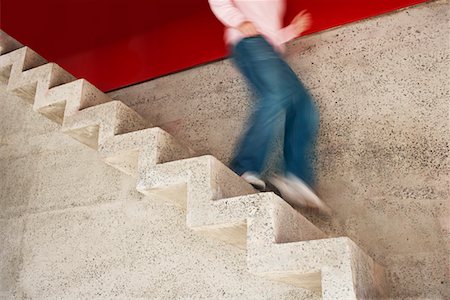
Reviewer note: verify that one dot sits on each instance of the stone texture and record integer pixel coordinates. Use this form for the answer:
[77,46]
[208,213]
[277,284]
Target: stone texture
[120,250]
[80,230]
[383,158]
[192,178]
[68,99]
[94,125]
[379,135]
[28,76]
[281,243]
[34,163]
[135,152]
[420,276]
[205,179]
[201,183]
[23,58]
[11,235]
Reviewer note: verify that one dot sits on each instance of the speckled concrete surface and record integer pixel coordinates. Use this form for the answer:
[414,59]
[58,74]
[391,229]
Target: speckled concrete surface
[383,161]
[135,152]
[345,273]
[95,125]
[27,149]
[67,99]
[11,235]
[72,227]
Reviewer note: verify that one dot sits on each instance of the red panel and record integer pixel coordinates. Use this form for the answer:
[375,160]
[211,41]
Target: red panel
[113,44]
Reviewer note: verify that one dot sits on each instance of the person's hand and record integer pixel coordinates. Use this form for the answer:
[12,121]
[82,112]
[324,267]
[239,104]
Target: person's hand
[301,22]
[248,29]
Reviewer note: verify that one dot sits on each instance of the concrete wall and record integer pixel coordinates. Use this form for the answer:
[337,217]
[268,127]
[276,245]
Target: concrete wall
[382,86]
[72,227]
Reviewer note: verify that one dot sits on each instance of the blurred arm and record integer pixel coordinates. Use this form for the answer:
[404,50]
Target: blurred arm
[299,24]
[287,33]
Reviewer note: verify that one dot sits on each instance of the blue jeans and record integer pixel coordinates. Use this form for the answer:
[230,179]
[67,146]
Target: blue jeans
[280,93]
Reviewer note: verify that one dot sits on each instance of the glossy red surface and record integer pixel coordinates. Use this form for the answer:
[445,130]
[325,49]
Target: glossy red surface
[115,43]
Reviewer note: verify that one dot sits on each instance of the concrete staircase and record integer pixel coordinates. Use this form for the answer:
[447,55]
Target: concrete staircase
[281,244]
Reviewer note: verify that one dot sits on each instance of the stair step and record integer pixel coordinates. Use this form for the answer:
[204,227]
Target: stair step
[67,99]
[196,177]
[226,212]
[8,43]
[15,62]
[133,153]
[95,125]
[281,244]
[38,80]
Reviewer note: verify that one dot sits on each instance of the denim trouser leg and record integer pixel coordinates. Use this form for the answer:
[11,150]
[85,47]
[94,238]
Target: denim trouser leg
[279,91]
[302,120]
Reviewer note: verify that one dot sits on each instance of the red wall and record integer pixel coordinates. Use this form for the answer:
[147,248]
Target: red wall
[115,43]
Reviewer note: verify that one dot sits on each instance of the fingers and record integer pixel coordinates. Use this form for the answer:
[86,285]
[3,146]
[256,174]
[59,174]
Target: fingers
[307,20]
[248,29]
[251,32]
[302,21]
[304,13]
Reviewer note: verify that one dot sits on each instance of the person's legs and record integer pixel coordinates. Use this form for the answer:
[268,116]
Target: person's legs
[302,121]
[266,73]
[278,90]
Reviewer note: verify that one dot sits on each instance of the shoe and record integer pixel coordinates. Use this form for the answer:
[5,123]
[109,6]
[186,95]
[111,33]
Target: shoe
[310,196]
[298,194]
[287,192]
[253,179]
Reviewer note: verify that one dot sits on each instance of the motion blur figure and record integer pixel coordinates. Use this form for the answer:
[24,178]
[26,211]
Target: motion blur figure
[255,36]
